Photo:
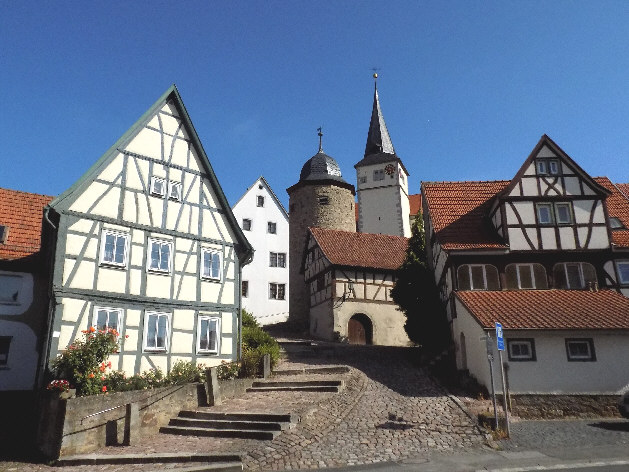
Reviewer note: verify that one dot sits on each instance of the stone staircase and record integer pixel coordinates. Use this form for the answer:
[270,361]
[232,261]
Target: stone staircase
[264,426]
[334,386]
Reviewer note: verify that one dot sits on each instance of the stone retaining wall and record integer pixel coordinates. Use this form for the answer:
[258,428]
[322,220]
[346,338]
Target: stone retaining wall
[564,406]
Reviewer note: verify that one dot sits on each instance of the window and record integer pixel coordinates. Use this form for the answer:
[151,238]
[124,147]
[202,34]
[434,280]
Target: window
[174,190]
[277,259]
[5,343]
[160,255]
[210,264]
[4,234]
[563,213]
[614,222]
[526,277]
[277,291]
[478,277]
[521,349]
[548,166]
[548,214]
[324,200]
[378,174]
[114,248]
[544,213]
[10,286]
[158,186]
[362,180]
[574,275]
[156,331]
[245,288]
[580,350]
[208,334]
[260,201]
[246,224]
[271,227]
[107,318]
[623,272]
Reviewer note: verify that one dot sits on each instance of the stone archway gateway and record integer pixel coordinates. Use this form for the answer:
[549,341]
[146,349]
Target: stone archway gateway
[360,329]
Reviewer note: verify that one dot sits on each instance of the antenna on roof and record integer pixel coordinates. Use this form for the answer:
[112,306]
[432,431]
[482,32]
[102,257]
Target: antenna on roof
[320,134]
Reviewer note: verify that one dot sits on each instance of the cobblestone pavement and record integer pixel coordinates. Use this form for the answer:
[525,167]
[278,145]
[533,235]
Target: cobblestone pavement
[540,435]
[389,410]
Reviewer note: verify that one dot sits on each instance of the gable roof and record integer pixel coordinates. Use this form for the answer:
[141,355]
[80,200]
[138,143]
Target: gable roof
[617,207]
[546,141]
[373,251]
[266,184]
[63,201]
[22,212]
[548,309]
[458,212]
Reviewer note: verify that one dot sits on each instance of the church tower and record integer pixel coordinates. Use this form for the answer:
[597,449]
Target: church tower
[321,199]
[383,206]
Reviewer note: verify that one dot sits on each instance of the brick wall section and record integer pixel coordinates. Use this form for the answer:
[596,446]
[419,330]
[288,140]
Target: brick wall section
[63,433]
[564,406]
[306,211]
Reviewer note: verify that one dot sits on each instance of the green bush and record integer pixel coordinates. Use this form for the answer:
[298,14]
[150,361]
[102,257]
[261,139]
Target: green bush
[185,372]
[248,320]
[256,343]
[228,370]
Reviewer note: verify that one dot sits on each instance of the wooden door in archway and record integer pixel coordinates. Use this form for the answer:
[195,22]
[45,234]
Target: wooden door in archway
[359,330]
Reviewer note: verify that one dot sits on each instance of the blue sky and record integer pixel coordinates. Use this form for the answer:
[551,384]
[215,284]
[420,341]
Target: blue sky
[467,87]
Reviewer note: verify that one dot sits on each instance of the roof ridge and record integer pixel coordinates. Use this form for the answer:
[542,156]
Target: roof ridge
[26,193]
[429,182]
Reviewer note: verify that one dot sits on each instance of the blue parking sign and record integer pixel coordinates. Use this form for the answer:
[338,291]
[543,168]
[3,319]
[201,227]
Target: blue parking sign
[499,338]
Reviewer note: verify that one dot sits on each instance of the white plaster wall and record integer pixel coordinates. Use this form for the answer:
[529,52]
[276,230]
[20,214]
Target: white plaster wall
[258,273]
[387,320]
[475,345]
[19,373]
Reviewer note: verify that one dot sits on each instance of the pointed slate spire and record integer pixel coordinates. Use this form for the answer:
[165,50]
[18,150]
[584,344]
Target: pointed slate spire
[378,139]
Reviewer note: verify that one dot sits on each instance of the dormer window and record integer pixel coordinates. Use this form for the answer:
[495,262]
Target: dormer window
[549,214]
[548,167]
[4,234]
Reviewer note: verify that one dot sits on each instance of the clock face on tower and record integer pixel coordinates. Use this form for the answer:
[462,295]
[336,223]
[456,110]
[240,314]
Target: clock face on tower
[389,169]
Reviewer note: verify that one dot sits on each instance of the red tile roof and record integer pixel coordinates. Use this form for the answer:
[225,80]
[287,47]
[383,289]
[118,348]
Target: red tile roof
[617,207]
[548,309]
[458,211]
[22,212]
[376,251]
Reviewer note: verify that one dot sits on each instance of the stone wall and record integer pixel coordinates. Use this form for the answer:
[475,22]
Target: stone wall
[67,428]
[564,406]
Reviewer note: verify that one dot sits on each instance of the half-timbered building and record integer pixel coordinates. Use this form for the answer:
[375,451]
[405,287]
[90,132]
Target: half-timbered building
[547,255]
[350,276]
[146,243]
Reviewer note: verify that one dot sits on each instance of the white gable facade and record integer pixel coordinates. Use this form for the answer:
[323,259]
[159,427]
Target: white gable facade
[264,222]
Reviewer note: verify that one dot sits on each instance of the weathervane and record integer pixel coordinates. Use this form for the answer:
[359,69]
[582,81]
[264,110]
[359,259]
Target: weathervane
[320,130]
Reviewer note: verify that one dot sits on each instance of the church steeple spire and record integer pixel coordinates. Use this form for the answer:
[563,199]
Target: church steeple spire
[378,139]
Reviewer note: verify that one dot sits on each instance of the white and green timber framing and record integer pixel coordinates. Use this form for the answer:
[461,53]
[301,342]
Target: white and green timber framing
[115,195]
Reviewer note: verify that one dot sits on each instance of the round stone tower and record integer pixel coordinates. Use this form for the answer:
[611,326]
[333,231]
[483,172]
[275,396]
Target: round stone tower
[323,199]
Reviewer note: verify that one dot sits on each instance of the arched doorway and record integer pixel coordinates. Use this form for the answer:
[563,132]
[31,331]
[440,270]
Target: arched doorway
[360,330]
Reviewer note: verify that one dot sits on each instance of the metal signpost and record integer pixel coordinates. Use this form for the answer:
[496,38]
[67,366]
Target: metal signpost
[490,358]
[501,347]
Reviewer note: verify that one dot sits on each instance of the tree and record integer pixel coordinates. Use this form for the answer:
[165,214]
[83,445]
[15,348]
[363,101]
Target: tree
[417,295]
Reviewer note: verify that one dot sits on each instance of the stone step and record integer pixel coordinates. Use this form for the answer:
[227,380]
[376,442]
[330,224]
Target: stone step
[220,433]
[239,416]
[340,369]
[232,460]
[297,383]
[228,424]
[306,388]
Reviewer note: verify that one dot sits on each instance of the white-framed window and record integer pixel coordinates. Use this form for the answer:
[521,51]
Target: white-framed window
[210,264]
[246,224]
[107,318]
[563,213]
[623,272]
[208,334]
[160,256]
[548,167]
[10,287]
[478,277]
[544,213]
[521,349]
[174,190]
[260,200]
[245,288]
[5,345]
[114,248]
[378,174]
[271,227]
[158,186]
[277,259]
[156,331]
[526,277]
[580,349]
[277,291]
[574,275]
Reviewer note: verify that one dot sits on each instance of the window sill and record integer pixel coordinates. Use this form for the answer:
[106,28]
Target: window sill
[207,353]
[210,279]
[113,265]
[158,272]
[155,351]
